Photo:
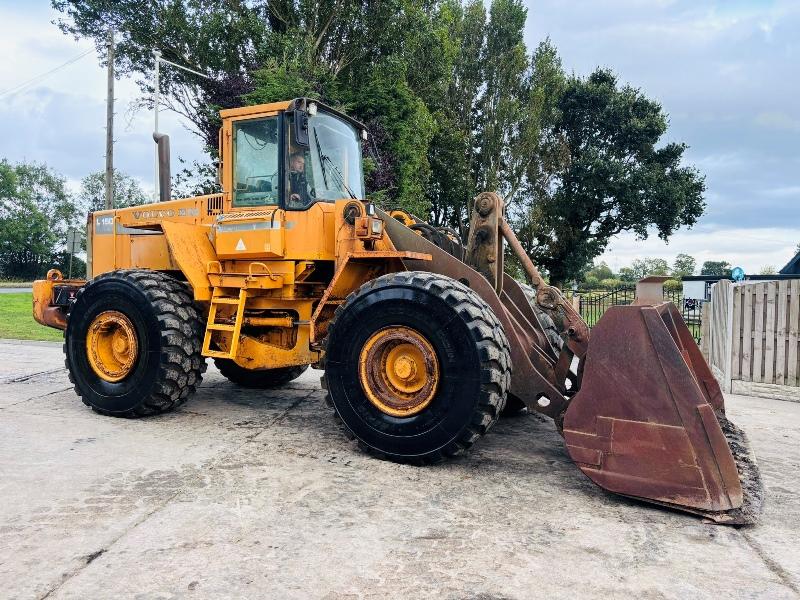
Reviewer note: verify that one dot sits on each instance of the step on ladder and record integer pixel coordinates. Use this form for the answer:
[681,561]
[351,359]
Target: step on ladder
[217,300]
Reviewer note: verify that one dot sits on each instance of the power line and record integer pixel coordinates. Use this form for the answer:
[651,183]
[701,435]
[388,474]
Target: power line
[38,78]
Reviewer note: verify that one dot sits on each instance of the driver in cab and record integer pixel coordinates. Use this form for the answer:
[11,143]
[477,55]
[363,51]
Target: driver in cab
[300,196]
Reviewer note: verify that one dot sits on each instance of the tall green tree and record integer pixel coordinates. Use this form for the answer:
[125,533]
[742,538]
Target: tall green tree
[684,265]
[361,56]
[609,175]
[454,146]
[721,268]
[127,191]
[36,211]
[502,104]
[540,153]
[600,271]
[642,267]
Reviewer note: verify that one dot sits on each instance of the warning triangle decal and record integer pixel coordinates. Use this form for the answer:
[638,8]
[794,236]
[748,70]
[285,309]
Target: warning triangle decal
[240,246]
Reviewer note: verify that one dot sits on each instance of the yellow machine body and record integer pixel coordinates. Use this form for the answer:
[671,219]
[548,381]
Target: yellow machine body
[265,275]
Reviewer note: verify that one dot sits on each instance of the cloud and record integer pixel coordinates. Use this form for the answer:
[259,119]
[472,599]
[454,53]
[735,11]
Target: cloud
[61,120]
[724,72]
[777,120]
[791,191]
[749,248]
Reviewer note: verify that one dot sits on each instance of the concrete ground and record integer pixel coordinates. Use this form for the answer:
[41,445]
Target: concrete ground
[243,494]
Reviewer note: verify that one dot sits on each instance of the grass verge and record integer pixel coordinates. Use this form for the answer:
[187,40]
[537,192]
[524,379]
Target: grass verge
[16,320]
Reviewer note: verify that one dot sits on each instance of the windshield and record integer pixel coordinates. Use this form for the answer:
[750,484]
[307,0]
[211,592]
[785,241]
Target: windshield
[329,168]
[255,162]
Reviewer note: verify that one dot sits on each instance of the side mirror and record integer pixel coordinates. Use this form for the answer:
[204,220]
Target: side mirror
[301,128]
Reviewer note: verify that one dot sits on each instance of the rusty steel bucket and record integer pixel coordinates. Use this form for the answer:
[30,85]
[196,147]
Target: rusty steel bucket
[649,419]
[639,409]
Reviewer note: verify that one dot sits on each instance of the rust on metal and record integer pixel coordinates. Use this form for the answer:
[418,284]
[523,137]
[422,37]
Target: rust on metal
[641,413]
[533,375]
[44,290]
[399,371]
[484,251]
[645,423]
[111,346]
[550,298]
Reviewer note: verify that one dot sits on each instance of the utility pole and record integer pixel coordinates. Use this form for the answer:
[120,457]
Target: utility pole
[156,91]
[110,124]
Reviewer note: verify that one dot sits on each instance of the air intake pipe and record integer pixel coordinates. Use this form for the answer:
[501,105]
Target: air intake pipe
[164,180]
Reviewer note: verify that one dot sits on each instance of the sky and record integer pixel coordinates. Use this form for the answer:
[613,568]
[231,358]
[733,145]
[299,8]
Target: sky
[726,73]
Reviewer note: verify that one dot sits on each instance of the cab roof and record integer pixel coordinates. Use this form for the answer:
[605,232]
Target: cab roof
[285,106]
[243,111]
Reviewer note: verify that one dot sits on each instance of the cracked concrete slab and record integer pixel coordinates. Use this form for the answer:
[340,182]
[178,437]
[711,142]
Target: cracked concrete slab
[257,494]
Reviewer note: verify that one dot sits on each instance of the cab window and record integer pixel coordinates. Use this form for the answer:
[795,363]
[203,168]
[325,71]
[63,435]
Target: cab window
[300,190]
[335,158]
[255,162]
[328,168]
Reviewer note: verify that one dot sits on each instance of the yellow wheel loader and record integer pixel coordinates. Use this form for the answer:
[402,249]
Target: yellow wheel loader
[424,341]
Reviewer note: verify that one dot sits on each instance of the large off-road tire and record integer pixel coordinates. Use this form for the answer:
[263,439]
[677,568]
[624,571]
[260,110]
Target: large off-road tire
[464,350]
[133,343]
[260,379]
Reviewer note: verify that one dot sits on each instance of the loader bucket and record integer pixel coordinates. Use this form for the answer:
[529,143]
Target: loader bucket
[649,422]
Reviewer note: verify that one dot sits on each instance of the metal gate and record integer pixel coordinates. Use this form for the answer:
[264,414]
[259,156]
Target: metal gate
[593,303]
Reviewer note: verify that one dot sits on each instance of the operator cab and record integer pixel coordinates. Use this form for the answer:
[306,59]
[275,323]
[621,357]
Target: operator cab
[293,158]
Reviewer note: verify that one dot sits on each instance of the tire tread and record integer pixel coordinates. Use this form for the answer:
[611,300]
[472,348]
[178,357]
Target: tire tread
[488,335]
[181,326]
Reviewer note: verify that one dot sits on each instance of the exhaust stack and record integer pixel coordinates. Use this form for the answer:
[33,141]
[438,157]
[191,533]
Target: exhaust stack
[164,179]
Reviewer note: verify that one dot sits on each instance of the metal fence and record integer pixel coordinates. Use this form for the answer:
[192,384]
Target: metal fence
[593,303]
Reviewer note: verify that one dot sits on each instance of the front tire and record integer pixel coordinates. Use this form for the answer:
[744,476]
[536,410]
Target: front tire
[133,343]
[417,366]
[260,379]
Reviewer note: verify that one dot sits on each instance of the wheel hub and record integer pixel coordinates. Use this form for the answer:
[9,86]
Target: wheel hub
[399,371]
[111,346]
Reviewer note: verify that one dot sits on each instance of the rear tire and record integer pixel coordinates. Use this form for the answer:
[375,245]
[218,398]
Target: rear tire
[261,379]
[472,357]
[162,319]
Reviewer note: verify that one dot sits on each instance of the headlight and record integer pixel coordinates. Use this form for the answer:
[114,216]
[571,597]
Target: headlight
[377,226]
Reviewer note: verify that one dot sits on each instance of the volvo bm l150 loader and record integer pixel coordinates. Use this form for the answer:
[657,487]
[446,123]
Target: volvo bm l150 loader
[424,340]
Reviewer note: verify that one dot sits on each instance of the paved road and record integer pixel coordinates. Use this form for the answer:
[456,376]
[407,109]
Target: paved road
[15,290]
[244,494]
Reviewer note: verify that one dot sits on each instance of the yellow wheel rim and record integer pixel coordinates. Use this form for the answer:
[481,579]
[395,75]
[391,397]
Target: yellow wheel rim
[399,371]
[111,346]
